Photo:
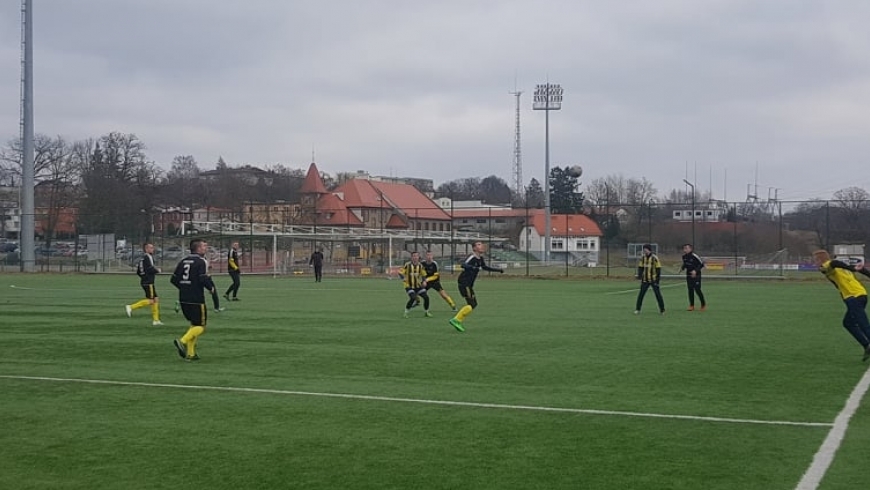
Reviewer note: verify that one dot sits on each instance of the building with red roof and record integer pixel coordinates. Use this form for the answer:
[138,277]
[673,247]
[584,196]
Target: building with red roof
[574,234]
[361,202]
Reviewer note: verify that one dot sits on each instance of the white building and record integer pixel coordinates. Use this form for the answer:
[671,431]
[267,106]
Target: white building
[573,235]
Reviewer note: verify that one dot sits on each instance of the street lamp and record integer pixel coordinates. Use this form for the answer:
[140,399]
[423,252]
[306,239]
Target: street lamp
[693,209]
[548,97]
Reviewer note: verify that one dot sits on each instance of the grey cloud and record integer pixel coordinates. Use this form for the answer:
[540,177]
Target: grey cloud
[422,88]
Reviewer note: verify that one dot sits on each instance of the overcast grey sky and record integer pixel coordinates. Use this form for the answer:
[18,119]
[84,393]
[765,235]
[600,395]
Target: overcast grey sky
[652,88]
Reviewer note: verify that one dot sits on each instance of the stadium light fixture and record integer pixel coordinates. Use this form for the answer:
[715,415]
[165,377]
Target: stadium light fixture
[548,97]
[693,209]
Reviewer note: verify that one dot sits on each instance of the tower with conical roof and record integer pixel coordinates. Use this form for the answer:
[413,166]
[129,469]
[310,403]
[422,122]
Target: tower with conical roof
[311,191]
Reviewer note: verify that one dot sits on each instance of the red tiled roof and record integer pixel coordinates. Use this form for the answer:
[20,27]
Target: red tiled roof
[332,211]
[359,193]
[313,184]
[396,221]
[362,193]
[577,225]
[411,201]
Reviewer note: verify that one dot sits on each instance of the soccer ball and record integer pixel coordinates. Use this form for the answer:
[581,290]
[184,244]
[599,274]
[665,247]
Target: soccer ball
[575,171]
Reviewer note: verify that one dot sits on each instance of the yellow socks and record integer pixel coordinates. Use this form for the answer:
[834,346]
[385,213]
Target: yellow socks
[450,301]
[189,339]
[464,312]
[140,304]
[155,312]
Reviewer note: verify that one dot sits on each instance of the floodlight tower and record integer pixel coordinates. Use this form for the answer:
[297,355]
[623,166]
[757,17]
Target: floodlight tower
[25,234]
[548,97]
[518,151]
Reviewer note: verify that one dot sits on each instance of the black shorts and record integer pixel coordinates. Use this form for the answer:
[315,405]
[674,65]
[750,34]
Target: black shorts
[467,292]
[150,291]
[694,282]
[436,285]
[195,313]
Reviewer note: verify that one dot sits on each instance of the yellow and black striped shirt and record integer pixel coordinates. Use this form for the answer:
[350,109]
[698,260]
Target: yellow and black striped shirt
[649,269]
[413,275]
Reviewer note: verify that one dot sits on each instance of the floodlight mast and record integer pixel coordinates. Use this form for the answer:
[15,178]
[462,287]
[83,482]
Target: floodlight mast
[26,205]
[693,209]
[548,97]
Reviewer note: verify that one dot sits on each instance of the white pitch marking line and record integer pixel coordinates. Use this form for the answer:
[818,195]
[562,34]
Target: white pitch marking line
[423,401]
[825,455]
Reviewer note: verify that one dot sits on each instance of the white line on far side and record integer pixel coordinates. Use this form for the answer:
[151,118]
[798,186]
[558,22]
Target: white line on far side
[350,396]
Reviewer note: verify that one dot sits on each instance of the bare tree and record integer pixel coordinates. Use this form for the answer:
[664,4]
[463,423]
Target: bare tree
[55,176]
[120,185]
[467,189]
[494,190]
[183,185]
[853,198]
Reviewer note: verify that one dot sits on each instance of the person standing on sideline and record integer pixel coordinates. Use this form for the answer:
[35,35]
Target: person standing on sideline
[414,281]
[693,264]
[853,293]
[235,272]
[433,279]
[649,271]
[191,278]
[147,271]
[472,265]
[316,261]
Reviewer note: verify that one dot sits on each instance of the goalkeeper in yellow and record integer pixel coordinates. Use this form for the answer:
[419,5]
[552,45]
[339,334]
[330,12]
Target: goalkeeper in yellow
[853,293]
[414,281]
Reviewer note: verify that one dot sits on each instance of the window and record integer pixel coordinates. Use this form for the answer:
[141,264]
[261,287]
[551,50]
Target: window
[677,214]
[481,221]
[557,245]
[465,221]
[500,220]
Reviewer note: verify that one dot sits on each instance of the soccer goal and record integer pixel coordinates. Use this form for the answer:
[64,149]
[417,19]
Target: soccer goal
[761,266]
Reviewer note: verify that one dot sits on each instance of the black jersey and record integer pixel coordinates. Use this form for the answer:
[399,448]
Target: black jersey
[691,262]
[472,265]
[316,259]
[191,277]
[145,270]
[432,273]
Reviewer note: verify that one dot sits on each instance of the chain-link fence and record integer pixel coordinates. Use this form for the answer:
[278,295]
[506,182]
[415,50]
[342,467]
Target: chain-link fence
[735,239]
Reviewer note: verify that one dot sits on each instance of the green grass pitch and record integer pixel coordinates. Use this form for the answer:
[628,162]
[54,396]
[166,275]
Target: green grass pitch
[554,385]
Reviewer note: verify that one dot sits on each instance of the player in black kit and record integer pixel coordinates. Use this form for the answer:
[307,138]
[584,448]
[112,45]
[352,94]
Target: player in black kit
[433,279]
[191,278]
[693,264]
[472,265]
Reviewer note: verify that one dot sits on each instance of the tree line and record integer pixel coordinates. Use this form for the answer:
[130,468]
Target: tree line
[115,186]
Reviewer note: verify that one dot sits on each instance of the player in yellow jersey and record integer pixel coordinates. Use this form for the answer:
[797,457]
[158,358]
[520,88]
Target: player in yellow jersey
[853,293]
[649,271]
[414,281]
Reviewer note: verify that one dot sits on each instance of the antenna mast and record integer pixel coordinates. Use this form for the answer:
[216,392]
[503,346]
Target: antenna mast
[518,150]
